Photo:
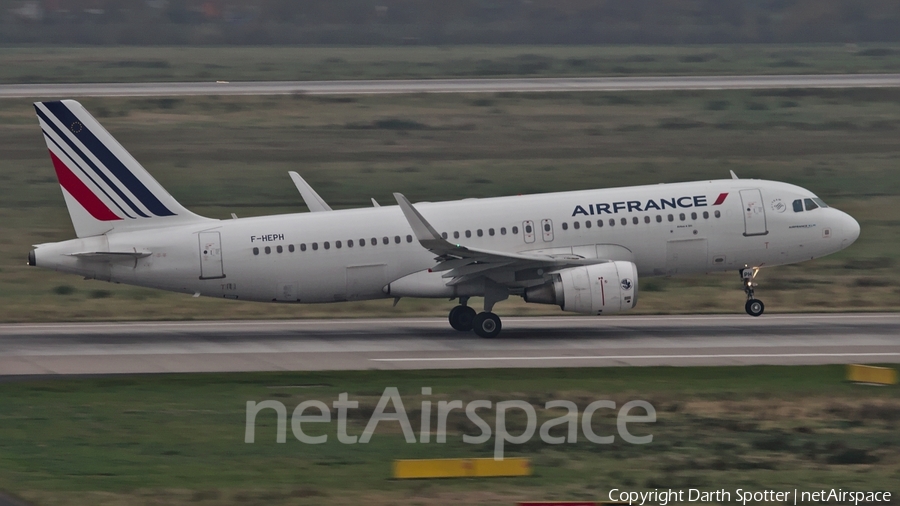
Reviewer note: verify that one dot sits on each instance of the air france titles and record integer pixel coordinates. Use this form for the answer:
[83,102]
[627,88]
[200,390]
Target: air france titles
[631,206]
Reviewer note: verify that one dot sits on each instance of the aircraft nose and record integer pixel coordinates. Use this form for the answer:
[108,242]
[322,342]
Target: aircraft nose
[850,230]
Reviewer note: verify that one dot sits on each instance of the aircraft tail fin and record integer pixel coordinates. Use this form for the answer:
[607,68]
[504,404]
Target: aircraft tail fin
[105,188]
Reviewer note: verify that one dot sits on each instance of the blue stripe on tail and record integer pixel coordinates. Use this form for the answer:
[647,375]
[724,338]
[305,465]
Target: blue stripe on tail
[118,169]
[88,161]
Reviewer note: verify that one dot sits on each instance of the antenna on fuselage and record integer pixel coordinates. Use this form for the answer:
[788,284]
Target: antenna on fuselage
[733,175]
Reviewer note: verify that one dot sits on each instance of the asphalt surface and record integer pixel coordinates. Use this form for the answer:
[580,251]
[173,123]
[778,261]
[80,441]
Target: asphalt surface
[513,85]
[355,344]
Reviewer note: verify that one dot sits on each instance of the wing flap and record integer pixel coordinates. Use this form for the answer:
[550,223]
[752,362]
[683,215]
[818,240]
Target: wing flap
[465,263]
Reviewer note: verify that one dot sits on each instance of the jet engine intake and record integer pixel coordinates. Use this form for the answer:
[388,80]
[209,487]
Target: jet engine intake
[610,287]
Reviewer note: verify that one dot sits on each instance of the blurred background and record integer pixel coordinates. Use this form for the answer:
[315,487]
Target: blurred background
[420,22]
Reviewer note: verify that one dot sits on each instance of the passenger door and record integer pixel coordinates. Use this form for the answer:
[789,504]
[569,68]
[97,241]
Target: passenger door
[211,256]
[754,213]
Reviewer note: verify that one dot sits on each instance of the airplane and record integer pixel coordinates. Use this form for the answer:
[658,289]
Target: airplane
[583,251]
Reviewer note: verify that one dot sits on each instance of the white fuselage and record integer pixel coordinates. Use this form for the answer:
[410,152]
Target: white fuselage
[308,257]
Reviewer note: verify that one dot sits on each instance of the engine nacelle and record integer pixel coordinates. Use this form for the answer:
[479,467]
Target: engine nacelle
[596,289]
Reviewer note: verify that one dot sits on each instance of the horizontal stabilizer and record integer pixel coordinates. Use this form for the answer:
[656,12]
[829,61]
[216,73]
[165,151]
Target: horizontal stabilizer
[111,255]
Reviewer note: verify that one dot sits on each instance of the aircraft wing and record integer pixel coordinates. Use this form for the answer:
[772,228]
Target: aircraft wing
[313,201]
[463,263]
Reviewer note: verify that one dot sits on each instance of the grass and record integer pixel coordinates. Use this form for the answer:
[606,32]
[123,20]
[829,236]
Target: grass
[110,64]
[219,155]
[178,439]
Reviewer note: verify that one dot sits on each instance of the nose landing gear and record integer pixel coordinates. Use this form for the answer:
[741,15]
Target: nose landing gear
[754,306]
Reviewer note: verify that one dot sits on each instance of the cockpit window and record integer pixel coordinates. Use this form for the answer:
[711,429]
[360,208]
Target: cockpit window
[798,206]
[810,205]
[820,202]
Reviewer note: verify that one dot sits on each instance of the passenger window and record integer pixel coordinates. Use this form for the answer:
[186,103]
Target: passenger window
[456,235]
[374,241]
[362,243]
[659,218]
[671,218]
[624,221]
[718,214]
[291,248]
[612,222]
[810,205]
[634,220]
[577,225]
[502,230]
[528,229]
[646,219]
[337,244]
[397,239]
[444,235]
[349,243]
[599,223]
[693,216]
[279,249]
[798,206]
[515,230]
[587,224]
[268,250]
[468,233]
[303,247]
[490,232]
[256,251]
[565,226]
[408,238]
[326,245]
[705,215]
[385,240]
[681,216]
[479,232]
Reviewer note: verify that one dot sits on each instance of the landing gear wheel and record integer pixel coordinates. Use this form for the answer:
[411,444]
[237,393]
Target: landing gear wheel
[755,307]
[461,318]
[487,325]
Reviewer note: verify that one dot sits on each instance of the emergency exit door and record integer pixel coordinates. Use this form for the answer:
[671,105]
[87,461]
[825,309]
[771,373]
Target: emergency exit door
[547,230]
[754,213]
[528,231]
[211,256]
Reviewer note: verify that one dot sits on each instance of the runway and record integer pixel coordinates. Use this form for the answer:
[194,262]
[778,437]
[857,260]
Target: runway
[511,85]
[429,343]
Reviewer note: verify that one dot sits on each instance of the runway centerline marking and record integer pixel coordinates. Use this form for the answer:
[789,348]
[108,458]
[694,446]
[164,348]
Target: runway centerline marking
[736,318]
[632,357]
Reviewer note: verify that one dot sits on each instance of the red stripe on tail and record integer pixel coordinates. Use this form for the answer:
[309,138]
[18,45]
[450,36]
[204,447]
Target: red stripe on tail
[720,199]
[82,193]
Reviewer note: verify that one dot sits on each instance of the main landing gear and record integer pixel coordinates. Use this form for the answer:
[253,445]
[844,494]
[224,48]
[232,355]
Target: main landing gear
[464,319]
[754,306]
